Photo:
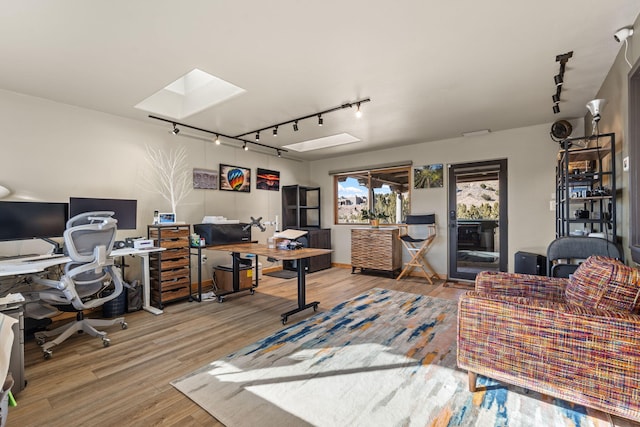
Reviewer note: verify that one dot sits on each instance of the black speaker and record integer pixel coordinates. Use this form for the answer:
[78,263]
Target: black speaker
[529,263]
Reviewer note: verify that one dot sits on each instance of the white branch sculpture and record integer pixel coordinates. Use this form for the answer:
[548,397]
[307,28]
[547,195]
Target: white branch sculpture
[171,177]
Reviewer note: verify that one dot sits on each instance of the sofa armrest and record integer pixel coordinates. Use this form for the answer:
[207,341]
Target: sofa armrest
[586,356]
[521,285]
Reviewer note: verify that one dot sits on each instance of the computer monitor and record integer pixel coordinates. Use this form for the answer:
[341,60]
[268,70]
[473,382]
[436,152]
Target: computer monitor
[125,210]
[29,220]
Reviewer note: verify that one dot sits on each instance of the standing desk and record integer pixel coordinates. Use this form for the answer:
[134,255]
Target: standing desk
[39,263]
[280,254]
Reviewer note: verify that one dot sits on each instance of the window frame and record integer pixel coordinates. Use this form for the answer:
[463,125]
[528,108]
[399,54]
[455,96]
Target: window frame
[371,174]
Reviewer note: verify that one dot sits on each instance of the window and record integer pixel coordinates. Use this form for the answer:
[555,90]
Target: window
[383,192]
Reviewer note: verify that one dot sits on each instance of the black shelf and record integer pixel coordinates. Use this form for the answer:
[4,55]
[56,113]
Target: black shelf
[300,207]
[582,171]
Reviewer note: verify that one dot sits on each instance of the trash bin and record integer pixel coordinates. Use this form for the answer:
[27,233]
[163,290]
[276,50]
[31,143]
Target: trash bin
[115,307]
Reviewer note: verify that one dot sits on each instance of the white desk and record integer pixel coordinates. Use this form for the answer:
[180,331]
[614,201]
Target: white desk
[14,267]
[143,254]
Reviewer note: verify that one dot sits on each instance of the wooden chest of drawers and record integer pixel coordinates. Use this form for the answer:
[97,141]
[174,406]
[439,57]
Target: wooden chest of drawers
[170,269]
[376,249]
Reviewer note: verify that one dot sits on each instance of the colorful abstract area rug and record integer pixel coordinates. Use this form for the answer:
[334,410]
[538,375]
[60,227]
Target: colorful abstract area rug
[384,358]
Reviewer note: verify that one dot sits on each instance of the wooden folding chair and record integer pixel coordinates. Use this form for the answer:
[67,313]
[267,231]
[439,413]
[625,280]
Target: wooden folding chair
[417,247]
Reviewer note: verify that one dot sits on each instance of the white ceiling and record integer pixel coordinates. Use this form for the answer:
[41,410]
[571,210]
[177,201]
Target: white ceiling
[433,69]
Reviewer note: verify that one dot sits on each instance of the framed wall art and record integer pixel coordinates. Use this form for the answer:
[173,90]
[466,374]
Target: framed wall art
[235,178]
[267,179]
[206,179]
[429,176]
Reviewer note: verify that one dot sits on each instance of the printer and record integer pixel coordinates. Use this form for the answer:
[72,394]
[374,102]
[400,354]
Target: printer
[223,234]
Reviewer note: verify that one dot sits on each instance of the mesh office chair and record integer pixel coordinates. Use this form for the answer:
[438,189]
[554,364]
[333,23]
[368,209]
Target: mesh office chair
[565,253]
[417,247]
[89,238]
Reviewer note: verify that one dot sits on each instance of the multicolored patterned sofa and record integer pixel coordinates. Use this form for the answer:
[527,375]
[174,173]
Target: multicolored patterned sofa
[577,339]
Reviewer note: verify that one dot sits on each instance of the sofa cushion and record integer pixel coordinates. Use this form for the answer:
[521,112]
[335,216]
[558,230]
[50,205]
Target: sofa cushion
[605,283]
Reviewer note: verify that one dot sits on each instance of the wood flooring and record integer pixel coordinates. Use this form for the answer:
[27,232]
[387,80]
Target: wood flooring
[127,383]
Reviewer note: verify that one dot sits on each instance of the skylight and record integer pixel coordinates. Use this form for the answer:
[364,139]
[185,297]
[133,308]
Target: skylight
[190,94]
[325,142]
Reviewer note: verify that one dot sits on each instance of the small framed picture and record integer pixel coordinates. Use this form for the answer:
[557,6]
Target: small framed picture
[429,176]
[267,179]
[235,178]
[205,179]
[167,218]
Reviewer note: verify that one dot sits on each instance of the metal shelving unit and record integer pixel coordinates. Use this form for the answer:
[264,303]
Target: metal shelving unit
[586,187]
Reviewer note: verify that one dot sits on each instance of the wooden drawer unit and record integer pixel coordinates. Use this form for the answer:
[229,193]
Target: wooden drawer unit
[376,249]
[170,269]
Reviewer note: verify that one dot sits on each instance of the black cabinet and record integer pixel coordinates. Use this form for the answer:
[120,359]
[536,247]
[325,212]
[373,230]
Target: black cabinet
[315,238]
[300,207]
[586,187]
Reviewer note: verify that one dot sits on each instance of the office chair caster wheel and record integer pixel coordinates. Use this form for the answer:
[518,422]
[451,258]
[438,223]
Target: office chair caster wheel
[106,342]
[252,291]
[124,325]
[40,340]
[284,320]
[47,354]
[220,299]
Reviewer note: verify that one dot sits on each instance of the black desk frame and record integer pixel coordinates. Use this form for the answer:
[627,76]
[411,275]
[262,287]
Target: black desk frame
[301,278]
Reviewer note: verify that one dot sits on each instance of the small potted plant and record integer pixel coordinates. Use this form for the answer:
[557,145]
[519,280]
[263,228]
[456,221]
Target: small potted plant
[373,216]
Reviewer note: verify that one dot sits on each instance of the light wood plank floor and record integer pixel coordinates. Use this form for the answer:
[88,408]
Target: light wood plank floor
[127,384]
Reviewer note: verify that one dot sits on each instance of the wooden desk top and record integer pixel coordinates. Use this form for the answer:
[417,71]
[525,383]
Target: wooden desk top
[262,249]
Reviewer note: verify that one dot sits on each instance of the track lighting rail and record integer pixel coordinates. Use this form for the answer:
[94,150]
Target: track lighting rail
[278,150]
[308,116]
[218,134]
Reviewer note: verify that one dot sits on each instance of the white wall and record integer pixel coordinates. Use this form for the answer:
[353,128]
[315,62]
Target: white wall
[531,156]
[53,151]
[615,118]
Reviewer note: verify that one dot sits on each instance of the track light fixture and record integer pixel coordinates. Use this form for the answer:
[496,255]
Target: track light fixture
[278,150]
[319,115]
[217,141]
[558,79]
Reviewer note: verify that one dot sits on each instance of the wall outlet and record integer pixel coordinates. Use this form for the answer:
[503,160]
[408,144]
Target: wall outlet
[625,164]
[552,205]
